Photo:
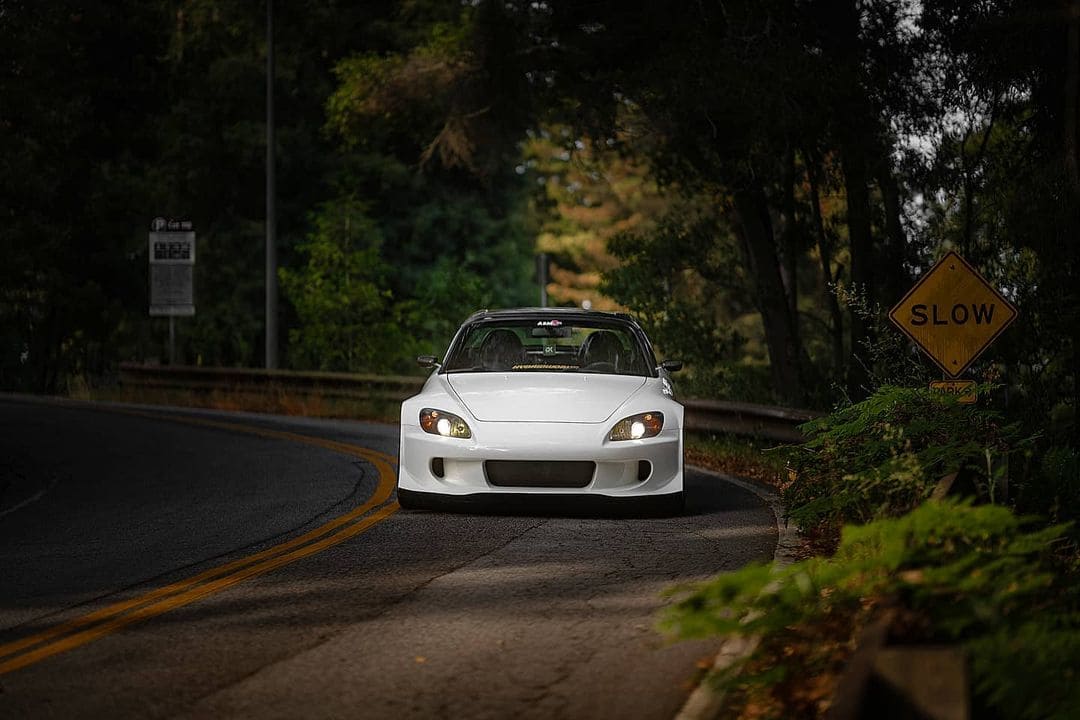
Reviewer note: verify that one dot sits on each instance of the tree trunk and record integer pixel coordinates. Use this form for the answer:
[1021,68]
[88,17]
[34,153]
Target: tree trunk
[1072,166]
[856,139]
[781,334]
[853,162]
[1072,100]
[825,250]
[790,240]
[896,280]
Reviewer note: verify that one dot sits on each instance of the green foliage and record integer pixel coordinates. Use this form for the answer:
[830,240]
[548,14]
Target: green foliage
[987,560]
[884,455]
[363,307]
[211,154]
[678,278]
[415,126]
[1012,666]
[887,355]
[345,319]
[74,147]
[974,574]
[1051,487]
[97,143]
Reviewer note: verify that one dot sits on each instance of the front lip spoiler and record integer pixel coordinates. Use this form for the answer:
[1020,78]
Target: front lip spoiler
[565,505]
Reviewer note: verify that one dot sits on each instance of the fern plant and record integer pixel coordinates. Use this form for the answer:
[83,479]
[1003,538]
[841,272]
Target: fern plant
[883,456]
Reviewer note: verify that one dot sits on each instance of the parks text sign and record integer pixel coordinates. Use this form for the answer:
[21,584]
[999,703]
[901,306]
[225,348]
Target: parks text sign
[172,266]
[953,314]
[962,390]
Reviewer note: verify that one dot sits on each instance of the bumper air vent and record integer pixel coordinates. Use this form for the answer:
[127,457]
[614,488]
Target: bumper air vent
[540,473]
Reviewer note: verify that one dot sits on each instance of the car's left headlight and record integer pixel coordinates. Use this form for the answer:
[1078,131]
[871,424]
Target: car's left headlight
[635,427]
[440,422]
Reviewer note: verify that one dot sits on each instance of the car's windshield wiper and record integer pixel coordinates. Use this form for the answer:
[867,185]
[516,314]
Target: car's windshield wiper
[475,368]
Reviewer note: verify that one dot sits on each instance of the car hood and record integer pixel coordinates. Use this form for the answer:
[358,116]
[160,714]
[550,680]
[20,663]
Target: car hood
[543,397]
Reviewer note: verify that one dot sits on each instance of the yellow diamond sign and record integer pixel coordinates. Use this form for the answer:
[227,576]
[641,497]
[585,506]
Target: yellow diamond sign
[953,314]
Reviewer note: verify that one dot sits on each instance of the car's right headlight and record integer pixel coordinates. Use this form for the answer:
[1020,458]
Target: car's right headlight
[635,427]
[440,422]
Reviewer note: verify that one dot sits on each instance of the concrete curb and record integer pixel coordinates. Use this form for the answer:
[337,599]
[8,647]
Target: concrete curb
[787,541]
[705,702]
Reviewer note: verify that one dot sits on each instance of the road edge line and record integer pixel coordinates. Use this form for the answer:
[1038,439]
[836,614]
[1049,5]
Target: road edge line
[13,651]
[193,594]
[705,702]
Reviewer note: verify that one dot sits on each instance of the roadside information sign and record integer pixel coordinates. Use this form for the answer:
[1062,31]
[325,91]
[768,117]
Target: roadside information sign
[953,314]
[172,265]
[964,390]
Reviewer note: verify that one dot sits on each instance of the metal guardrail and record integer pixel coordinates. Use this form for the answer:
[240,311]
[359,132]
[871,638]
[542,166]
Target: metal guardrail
[247,380]
[768,422]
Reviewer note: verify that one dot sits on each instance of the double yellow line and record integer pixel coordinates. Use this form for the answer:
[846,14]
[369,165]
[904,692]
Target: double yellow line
[87,628]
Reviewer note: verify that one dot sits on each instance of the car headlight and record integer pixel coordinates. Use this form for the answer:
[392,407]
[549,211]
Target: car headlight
[635,427]
[439,422]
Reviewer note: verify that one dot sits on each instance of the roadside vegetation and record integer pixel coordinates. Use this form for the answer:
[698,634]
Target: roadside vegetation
[904,497]
[743,457]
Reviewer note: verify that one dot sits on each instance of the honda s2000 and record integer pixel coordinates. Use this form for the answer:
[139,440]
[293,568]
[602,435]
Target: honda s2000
[535,409]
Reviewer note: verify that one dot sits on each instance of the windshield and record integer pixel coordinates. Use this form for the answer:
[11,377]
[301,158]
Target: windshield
[548,345]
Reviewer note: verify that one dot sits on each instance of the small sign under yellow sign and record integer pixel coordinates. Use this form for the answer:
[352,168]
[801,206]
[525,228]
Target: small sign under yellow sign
[964,390]
[953,314]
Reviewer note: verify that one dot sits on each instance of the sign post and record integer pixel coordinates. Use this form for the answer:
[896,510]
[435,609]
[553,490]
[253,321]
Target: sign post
[953,314]
[172,269]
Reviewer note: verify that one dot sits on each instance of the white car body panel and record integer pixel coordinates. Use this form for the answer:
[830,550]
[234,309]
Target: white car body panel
[543,397]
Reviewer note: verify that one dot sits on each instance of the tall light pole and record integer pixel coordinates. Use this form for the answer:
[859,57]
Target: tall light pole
[542,276]
[271,221]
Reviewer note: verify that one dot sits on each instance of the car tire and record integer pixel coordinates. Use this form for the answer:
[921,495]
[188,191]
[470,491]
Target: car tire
[671,505]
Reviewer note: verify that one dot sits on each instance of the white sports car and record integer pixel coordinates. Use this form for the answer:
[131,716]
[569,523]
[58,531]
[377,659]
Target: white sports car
[544,409]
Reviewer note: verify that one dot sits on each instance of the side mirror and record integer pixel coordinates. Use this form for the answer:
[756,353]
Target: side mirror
[427,361]
[672,365]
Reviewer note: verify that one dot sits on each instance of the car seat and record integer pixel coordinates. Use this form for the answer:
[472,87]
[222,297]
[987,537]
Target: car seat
[603,346]
[501,350]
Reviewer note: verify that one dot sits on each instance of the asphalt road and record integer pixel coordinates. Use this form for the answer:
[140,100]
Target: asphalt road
[177,563]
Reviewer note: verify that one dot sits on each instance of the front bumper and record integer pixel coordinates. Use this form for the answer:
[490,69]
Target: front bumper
[436,465]
[595,505]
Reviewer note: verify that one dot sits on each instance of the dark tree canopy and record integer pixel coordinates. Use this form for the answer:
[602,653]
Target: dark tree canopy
[759,181]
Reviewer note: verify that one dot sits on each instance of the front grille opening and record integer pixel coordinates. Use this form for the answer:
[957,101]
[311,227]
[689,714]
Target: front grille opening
[540,473]
[644,470]
[437,468]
